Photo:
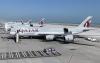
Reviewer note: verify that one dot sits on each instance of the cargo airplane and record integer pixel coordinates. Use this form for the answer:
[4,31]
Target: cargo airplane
[52,33]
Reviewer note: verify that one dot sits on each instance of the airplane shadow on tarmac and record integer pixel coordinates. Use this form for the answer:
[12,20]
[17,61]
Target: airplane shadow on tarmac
[83,44]
[75,42]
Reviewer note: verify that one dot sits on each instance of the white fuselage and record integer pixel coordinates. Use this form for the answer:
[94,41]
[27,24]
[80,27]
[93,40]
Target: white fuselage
[33,31]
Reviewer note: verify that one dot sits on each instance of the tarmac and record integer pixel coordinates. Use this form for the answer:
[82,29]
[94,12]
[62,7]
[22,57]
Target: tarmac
[81,51]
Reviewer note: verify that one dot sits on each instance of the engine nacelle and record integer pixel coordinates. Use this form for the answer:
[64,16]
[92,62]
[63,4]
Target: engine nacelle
[69,38]
[50,37]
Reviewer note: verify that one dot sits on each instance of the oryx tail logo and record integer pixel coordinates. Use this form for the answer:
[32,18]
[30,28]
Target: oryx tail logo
[88,23]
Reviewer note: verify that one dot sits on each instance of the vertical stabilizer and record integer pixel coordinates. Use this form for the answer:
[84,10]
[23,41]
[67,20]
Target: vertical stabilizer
[86,22]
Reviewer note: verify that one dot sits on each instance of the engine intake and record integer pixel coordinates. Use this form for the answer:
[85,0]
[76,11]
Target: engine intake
[69,38]
[50,37]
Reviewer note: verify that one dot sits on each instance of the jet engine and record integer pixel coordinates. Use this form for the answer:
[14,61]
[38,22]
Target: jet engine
[50,37]
[69,38]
